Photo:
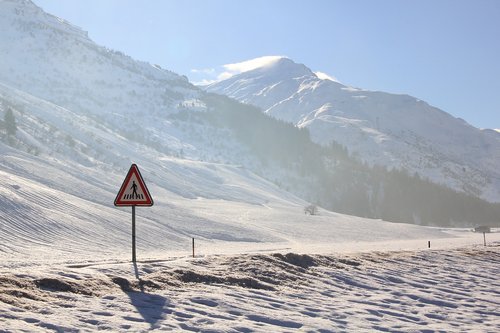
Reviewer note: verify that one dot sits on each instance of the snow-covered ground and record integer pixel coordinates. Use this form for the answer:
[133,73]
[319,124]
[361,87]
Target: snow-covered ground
[56,209]
[65,250]
[425,290]
[65,257]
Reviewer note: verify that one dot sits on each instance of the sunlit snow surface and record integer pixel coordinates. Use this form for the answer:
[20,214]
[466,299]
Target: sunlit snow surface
[403,291]
[65,253]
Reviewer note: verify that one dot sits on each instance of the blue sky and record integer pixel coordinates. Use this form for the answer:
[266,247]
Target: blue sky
[446,52]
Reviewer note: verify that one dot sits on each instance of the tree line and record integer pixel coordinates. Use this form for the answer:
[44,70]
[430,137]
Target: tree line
[341,182]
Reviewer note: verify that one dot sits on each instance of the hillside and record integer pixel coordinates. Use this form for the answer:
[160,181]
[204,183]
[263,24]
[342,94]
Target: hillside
[330,177]
[394,131]
[85,113]
[80,126]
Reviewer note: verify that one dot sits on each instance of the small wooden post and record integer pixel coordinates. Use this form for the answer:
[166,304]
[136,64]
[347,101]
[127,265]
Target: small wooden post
[429,244]
[484,237]
[193,247]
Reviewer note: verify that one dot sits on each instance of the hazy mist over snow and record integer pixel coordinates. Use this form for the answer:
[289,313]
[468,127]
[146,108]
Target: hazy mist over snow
[324,76]
[251,64]
[230,70]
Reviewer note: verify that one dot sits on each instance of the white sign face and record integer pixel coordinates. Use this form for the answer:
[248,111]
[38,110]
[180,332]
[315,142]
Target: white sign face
[133,191]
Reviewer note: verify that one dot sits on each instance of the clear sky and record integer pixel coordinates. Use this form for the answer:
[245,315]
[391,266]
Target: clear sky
[446,52]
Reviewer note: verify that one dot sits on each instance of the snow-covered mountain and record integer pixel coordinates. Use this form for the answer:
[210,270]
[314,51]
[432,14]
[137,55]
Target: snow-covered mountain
[385,129]
[84,114]
[51,59]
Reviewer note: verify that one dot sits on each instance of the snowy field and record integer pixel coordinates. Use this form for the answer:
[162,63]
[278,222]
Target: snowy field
[261,265]
[452,289]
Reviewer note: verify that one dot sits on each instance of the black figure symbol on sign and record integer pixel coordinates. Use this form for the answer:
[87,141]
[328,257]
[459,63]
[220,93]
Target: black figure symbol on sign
[134,194]
[134,190]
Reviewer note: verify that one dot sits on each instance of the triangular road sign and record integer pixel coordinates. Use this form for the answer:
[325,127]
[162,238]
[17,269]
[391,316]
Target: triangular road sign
[133,191]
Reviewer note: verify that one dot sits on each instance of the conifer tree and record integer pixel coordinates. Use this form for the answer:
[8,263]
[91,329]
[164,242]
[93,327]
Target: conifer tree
[10,122]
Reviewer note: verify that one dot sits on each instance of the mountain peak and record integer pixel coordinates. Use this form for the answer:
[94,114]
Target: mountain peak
[285,66]
[276,65]
[280,67]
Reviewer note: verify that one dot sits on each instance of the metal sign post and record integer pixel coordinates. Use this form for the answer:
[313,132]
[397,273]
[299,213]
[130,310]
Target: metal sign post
[133,192]
[133,234]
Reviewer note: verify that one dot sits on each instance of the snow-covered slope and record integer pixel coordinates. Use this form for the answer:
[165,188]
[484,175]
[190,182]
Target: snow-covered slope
[62,208]
[47,57]
[52,59]
[84,114]
[381,128]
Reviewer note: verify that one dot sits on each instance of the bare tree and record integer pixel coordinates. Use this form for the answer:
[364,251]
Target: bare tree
[311,210]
